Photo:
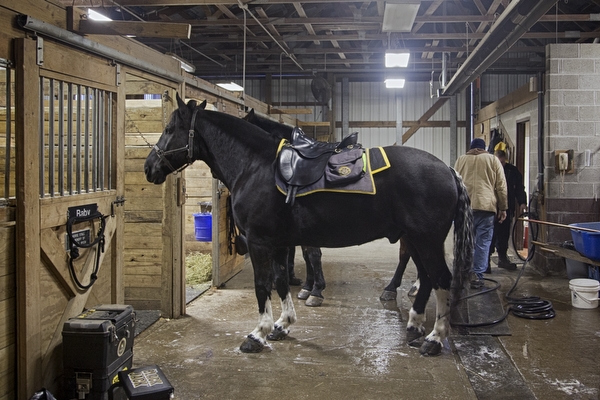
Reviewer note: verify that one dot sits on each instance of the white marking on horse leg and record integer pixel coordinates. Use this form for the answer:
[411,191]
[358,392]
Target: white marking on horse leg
[415,320]
[288,314]
[265,324]
[442,309]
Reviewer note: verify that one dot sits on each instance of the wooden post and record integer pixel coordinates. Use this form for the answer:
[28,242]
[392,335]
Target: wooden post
[118,242]
[29,352]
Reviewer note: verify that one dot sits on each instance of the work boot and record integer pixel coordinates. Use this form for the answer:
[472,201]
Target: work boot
[504,262]
[477,283]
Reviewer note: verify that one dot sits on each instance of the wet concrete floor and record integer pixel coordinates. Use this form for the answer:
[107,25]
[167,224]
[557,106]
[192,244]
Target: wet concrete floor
[354,347]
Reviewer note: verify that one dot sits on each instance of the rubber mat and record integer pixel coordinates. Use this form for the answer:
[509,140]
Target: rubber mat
[490,371]
[484,308]
[145,318]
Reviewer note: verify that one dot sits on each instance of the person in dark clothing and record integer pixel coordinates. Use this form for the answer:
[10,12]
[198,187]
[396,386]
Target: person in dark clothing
[516,192]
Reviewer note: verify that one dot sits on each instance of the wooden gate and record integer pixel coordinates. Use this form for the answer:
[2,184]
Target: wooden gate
[69,161]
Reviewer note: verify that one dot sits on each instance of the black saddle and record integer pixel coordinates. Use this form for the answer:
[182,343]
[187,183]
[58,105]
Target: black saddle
[302,161]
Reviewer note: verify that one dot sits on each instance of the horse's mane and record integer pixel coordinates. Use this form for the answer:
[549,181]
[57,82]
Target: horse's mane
[251,135]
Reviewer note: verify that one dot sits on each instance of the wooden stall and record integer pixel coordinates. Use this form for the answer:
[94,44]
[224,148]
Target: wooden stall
[79,117]
[7,235]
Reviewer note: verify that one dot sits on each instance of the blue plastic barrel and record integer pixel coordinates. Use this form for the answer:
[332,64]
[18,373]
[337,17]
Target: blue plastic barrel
[203,226]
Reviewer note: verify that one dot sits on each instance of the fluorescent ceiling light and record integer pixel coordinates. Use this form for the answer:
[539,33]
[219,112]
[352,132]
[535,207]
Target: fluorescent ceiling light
[96,16]
[399,17]
[231,86]
[396,58]
[394,83]
[185,64]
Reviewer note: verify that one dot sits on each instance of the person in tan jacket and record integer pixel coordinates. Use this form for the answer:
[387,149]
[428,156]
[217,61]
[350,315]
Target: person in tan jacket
[483,175]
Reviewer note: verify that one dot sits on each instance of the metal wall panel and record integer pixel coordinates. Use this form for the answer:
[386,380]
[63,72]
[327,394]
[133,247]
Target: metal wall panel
[371,101]
[494,87]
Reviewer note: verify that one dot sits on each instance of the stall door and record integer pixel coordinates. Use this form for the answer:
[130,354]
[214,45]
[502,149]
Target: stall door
[70,195]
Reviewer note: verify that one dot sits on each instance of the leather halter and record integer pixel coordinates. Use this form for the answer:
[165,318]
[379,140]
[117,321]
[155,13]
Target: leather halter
[189,148]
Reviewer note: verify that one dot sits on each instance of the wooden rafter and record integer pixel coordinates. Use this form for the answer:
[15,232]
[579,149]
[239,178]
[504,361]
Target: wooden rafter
[308,26]
[136,28]
[428,114]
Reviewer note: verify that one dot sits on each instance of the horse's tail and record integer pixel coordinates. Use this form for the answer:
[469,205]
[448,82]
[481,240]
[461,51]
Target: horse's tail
[463,239]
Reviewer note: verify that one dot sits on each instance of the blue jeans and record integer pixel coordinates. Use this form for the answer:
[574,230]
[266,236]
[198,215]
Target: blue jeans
[483,225]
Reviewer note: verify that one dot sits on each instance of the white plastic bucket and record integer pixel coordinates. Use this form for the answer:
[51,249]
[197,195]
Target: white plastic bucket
[584,292]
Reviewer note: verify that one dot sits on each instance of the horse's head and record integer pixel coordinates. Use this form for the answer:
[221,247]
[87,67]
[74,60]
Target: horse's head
[280,130]
[175,149]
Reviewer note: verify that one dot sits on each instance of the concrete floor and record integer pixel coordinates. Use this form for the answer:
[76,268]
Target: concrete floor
[353,347]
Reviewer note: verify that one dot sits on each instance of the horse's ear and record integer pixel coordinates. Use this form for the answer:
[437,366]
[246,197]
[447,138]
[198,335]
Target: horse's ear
[203,105]
[250,115]
[180,103]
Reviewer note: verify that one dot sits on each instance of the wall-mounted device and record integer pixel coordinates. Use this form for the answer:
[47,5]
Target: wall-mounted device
[564,161]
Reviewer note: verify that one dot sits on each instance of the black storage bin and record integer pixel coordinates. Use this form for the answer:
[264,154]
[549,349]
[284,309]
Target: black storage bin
[97,344]
[93,384]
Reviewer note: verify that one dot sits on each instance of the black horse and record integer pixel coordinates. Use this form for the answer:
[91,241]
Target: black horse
[314,284]
[419,198]
[312,290]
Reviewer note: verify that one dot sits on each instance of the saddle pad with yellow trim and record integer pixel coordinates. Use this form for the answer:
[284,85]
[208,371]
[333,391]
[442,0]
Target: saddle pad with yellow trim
[377,161]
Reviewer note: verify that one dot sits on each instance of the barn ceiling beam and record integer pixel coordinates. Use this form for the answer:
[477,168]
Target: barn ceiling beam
[349,51]
[369,22]
[379,37]
[171,30]
[188,3]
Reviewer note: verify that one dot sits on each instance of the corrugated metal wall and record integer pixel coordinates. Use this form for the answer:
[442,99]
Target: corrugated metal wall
[494,86]
[371,101]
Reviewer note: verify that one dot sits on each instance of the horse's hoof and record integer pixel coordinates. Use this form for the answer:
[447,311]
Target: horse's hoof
[251,345]
[303,294]
[413,291]
[277,334]
[314,301]
[414,337]
[431,348]
[388,295]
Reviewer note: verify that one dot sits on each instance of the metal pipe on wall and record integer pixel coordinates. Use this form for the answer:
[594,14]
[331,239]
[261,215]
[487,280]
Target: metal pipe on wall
[515,21]
[540,104]
[37,26]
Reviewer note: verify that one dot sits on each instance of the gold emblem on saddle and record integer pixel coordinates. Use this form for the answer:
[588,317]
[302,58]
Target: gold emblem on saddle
[344,170]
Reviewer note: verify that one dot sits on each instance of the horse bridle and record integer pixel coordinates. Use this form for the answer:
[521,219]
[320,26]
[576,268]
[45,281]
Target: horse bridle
[189,148]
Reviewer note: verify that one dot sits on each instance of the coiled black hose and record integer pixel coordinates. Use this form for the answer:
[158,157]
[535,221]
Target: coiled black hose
[531,307]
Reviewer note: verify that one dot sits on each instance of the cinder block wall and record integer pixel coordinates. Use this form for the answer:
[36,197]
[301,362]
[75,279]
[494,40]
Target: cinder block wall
[572,109]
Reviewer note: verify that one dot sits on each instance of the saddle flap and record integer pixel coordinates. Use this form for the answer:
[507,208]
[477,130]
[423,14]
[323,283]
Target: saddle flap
[298,170]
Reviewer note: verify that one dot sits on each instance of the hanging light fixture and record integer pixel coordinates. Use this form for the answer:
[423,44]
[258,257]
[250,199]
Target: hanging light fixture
[185,64]
[96,16]
[396,58]
[394,83]
[231,86]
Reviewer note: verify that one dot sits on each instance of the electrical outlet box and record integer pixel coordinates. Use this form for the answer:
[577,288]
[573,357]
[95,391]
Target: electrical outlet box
[564,161]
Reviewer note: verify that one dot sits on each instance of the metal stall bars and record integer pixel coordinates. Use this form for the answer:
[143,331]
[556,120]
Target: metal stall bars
[75,138]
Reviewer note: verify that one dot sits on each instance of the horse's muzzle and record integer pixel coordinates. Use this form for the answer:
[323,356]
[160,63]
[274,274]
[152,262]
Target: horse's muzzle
[153,174]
